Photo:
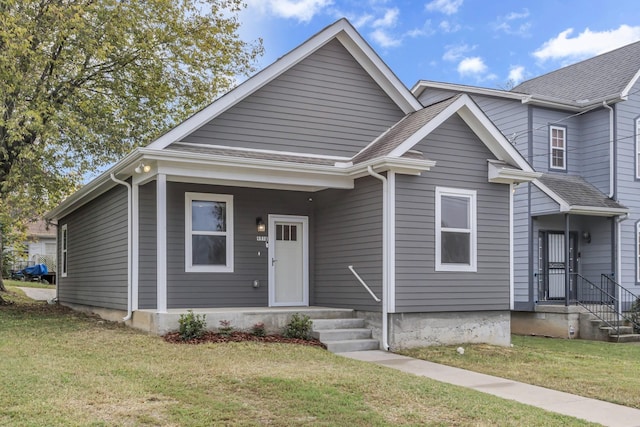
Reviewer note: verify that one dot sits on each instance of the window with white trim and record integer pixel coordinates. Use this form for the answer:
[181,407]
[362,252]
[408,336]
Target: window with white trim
[64,241]
[557,147]
[208,232]
[638,148]
[456,230]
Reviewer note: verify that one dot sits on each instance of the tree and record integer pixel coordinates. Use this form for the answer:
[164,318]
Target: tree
[84,81]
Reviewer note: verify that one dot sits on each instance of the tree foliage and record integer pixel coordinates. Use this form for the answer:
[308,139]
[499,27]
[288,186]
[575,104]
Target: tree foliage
[84,81]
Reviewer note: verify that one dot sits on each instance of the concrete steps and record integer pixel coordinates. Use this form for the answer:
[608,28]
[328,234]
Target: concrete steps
[621,332]
[344,334]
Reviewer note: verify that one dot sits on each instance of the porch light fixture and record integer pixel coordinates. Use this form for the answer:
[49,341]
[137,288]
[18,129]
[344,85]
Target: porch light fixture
[142,168]
[260,225]
[586,236]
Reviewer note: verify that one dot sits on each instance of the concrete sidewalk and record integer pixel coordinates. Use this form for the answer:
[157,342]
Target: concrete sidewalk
[592,410]
[39,294]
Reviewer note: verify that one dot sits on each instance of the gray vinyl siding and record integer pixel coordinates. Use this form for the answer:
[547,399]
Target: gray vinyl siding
[542,204]
[595,257]
[461,163]
[197,290]
[349,232]
[147,246]
[521,243]
[326,104]
[431,96]
[593,149]
[627,186]
[97,252]
[543,118]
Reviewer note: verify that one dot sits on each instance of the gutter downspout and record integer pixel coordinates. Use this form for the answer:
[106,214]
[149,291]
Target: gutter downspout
[385,261]
[129,241]
[611,149]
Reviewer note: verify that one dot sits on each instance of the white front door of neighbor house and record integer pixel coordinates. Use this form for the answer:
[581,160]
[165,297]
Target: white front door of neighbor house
[288,260]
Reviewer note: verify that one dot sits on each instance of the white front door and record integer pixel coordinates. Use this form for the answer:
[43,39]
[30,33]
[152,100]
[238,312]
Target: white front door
[288,260]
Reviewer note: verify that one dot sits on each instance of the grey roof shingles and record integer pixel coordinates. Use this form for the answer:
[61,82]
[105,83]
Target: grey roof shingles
[589,80]
[402,130]
[575,191]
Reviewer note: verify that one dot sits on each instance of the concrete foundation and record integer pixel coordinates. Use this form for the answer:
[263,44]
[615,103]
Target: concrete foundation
[425,329]
[548,320]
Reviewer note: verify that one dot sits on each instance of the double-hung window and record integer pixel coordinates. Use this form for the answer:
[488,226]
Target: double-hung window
[637,148]
[208,232]
[456,230]
[64,237]
[558,147]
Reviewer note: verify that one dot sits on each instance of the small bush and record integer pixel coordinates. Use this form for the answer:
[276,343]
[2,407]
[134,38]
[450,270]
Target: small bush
[298,327]
[634,312]
[258,330]
[225,328]
[192,325]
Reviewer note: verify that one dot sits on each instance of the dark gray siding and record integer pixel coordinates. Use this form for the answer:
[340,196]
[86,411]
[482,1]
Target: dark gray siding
[147,246]
[521,243]
[349,232]
[627,186]
[326,104]
[229,289]
[97,252]
[461,163]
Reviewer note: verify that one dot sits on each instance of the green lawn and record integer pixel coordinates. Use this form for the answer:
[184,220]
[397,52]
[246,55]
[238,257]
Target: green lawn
[61,368]
[28,284]
[600,370]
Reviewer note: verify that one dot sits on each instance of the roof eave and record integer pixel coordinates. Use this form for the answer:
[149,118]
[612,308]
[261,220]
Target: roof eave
[595,211]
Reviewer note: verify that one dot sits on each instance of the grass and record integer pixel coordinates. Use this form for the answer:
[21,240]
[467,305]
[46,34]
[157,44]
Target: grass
[600,370]
[62,368]
[28,284]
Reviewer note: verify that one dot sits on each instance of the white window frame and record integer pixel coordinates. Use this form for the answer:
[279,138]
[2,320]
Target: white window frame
[638,150]
[188,234]
[64,250]
[563,149]
[471,195]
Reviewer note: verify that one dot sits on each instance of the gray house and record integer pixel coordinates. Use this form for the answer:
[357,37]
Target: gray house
[321,185]
[577,227]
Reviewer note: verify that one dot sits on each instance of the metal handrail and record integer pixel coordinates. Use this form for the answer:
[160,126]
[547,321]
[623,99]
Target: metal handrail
[364,284]
[627,303]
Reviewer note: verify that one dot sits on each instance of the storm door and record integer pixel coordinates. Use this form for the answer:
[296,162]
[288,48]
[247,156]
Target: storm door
[552,267]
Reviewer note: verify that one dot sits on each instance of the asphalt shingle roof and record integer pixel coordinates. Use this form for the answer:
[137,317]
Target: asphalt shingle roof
[576,191]
[402,130]
[592,79]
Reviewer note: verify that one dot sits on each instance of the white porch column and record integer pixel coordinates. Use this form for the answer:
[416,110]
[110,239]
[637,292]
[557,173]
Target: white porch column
[161,257]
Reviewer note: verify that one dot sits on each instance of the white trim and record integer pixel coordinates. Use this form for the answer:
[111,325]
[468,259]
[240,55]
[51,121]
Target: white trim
[562,204]
[227,199]
[512,285]
[473,116]
[421,85]
[471,196]
[349,38]
[391,241]
[500,173]
[135,246]
[625,92]
[273,218]
[161,243]
[64,250]
[260,150]
[637,151]
[562,149]
[563,207]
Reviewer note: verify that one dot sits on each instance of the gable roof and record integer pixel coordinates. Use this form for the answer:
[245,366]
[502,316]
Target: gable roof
[575,195]
[594,80]
[342,31]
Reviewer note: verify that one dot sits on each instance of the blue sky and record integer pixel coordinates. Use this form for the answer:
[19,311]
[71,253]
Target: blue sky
[476,42]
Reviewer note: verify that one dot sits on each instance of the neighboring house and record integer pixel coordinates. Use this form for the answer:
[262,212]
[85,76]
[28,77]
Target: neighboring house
[259,204]
[39,247]
[577,227]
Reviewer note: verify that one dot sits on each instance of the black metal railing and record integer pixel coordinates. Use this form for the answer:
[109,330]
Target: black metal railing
[627,303]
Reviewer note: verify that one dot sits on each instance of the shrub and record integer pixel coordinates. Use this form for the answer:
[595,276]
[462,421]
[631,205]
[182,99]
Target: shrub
[192,325]
[634,312]
[298,327]
[258,330]
[225,328]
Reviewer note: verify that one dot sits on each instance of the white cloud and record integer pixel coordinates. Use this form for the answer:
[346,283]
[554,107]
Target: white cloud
[425,30]
[586,44]
[516,74]
[361,21]
[509,25]
[448,7]
[389,19]
[448,27]
[384,39]
[473,66]
[455,52]
[302,10]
